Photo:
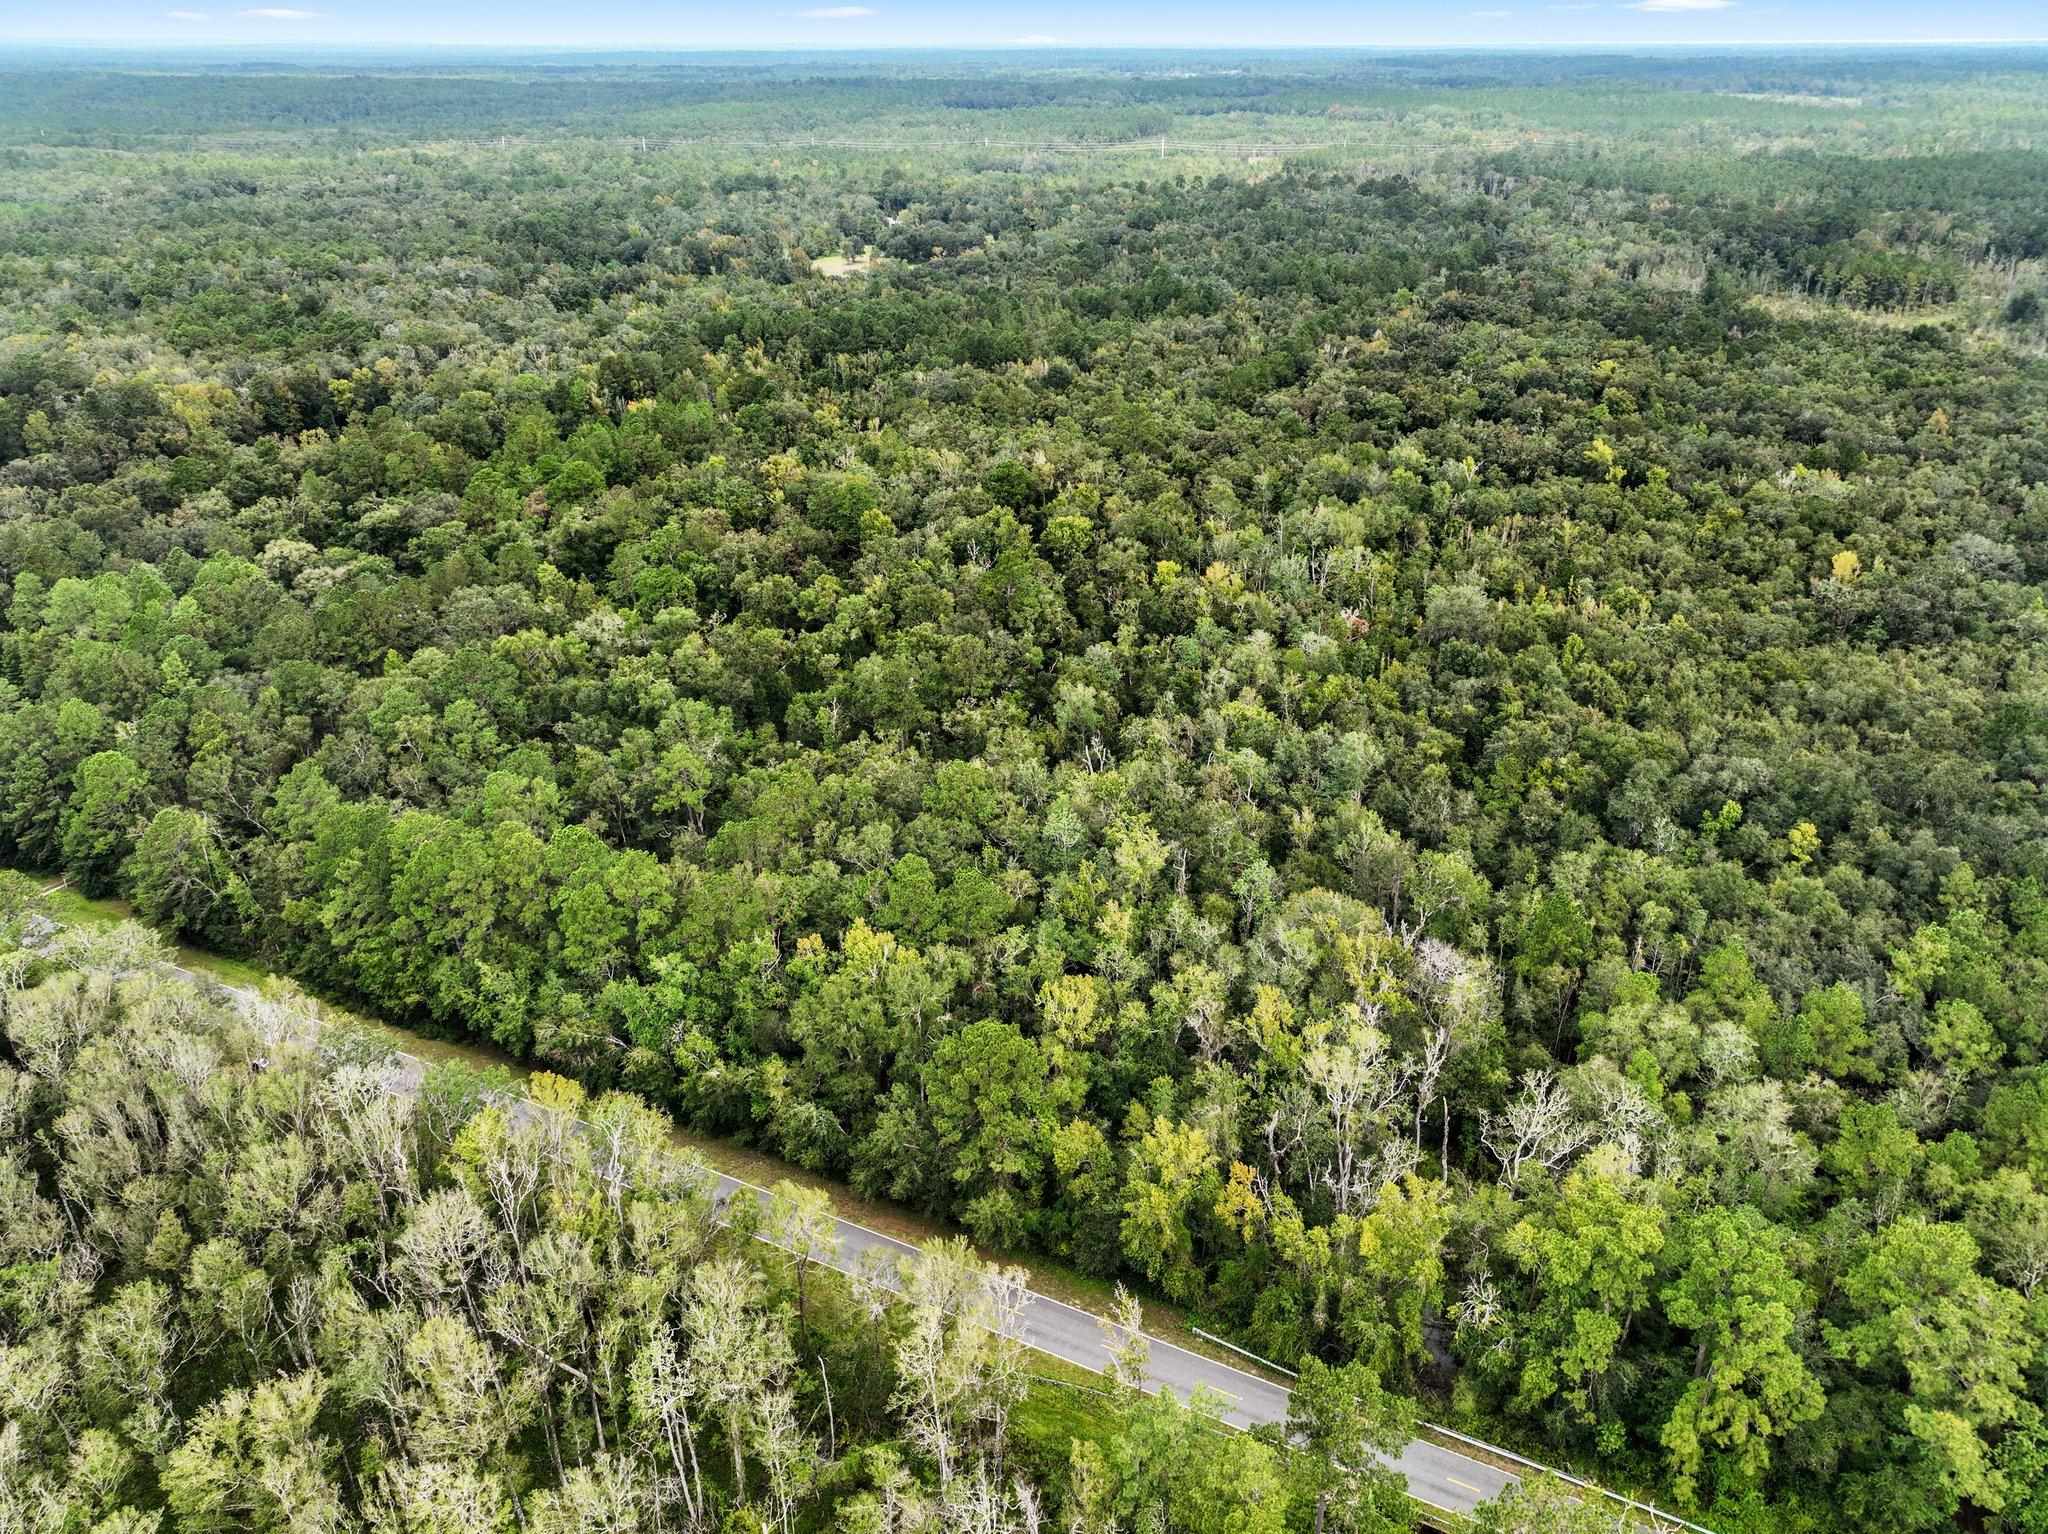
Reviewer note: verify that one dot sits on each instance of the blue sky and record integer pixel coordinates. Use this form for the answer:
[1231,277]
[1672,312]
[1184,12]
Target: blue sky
[809,24]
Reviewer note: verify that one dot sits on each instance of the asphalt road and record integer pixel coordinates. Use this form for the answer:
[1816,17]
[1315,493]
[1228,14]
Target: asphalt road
[1441,1477]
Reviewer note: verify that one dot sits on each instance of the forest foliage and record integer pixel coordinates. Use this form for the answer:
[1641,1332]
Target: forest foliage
[1435,750]
[271,1287]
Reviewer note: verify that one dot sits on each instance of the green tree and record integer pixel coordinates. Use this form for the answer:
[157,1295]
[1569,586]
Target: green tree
[800,1220]
[256,1460]
[994,1103]
[178,874]
[1348,1426]
[1542,1504]
[106,812]
[1401,1270]
[1733,1290]
[1170,1466]
[1170,1166]
[1590,1253]
[1951,1347]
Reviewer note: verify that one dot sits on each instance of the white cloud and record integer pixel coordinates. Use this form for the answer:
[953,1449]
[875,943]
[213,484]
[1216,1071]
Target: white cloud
[1036,40]
[186,15]
[1678,7]
[279,13]
[837,13]
[1491,15]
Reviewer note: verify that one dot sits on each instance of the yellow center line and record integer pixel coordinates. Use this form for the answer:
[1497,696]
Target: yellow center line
[1467,1485]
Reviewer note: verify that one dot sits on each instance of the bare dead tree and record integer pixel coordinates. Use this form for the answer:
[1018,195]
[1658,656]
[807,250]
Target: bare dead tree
[1541,1127]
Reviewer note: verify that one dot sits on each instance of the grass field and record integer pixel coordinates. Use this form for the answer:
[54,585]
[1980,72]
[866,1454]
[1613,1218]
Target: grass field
[846,266]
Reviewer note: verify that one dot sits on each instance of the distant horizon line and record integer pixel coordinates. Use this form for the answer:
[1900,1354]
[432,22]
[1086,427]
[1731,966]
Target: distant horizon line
[393,45]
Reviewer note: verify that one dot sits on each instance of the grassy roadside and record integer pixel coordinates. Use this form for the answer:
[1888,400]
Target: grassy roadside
[68,906]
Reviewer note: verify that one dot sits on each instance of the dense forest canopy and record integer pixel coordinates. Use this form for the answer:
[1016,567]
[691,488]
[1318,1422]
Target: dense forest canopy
[1414,714]
[272,1293]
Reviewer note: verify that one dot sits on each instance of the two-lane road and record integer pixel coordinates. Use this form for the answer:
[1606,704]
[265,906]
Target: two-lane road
[1440,1477]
